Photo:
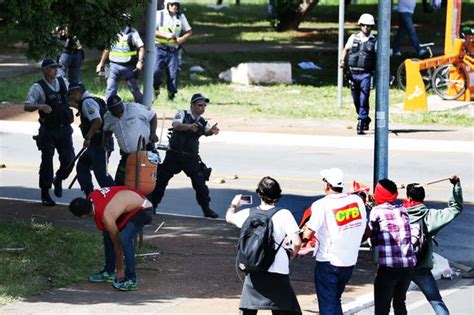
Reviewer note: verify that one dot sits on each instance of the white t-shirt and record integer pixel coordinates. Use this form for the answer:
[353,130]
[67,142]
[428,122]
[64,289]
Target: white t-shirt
[339,221]
[134,122]
[283,224]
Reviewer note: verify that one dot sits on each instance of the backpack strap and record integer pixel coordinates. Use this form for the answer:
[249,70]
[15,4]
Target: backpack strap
[270,213]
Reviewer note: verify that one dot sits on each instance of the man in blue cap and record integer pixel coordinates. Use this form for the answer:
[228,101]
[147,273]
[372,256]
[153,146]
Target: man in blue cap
[183,154]
[49,96]
[91,110]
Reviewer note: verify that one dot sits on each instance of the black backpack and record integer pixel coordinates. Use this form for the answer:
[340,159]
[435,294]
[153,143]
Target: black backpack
[256,247]
[419,238]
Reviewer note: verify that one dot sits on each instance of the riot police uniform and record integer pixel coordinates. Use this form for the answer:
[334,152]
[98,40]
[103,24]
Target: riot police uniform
[124,57]
[183,155]
[361,48]
[95,157]
[71,59]
[167,50]
[55,132]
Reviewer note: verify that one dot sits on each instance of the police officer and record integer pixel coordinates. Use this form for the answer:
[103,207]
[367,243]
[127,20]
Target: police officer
[49,97]
[361,48]
[128,122]
[71,58]
[126,58]
[91,110]
[172,31]
[183,154]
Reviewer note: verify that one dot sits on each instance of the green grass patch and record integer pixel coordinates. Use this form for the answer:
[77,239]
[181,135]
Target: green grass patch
[46,256]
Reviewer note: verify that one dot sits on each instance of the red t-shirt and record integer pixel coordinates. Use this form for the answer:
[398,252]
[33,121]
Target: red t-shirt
[101,198]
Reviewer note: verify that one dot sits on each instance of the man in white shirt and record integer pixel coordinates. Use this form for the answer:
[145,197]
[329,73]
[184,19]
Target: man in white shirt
[339,221]
[128,122]
[172,31]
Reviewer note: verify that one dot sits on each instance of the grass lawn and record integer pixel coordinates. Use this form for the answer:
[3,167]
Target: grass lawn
[36,257]
[313,94]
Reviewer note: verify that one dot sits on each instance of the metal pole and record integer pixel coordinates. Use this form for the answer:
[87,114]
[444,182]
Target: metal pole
[381,95]
[150,52]
[340,47]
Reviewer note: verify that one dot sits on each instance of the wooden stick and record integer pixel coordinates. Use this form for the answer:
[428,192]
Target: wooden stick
[436,181]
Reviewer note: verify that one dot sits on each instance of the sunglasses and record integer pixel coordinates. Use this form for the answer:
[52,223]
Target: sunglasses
[201,105]
[365,25]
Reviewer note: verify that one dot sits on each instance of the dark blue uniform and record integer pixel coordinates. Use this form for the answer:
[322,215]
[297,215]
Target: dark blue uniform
[95,157]
[183,155]
[55,132]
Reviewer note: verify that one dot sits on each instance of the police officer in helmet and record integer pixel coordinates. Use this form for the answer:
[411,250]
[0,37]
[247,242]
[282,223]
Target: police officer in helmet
[49,96]
[183,153]
[361,51]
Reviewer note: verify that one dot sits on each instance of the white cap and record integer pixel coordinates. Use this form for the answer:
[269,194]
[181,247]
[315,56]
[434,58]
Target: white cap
[334,176]
[366,19]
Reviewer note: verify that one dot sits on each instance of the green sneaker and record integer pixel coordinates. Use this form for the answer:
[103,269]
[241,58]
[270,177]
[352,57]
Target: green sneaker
[102,276]
[127,285]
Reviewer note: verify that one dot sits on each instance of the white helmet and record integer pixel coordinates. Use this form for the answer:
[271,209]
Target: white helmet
[171,1]
[366,19]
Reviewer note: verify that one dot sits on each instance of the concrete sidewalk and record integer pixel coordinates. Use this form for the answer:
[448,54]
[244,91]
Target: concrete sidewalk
[194,272]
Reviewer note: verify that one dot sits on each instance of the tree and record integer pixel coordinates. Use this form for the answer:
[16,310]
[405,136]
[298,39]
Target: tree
[94,22]
[288,14]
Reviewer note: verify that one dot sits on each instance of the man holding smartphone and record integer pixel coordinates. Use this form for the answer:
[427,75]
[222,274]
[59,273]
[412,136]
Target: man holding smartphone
[183,154]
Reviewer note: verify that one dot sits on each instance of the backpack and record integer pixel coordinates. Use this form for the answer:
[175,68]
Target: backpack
[256,250]
[419,238]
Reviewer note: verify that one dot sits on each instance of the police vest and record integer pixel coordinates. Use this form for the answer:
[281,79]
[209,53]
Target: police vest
[124,50]
[61,114]
[86,124]
[362,54]
[188,141]
[175,29]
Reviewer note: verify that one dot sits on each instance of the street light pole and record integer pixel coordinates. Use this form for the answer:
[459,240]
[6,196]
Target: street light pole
[339,55]
[381,94]
[150,52]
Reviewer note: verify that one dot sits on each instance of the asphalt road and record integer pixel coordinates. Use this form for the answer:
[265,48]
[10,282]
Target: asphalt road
[296,166]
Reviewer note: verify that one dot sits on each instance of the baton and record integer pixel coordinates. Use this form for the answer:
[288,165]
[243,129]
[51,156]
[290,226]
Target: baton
[71,165]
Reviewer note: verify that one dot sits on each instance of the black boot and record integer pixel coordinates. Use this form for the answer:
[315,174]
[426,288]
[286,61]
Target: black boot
[360,127]
[171,96]
[58,187]
[366,123]
[46,198]
[208,213]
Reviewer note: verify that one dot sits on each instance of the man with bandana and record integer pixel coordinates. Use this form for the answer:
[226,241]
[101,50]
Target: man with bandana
[391,239]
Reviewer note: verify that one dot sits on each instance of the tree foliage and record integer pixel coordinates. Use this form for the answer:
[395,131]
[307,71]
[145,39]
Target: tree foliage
[94,22]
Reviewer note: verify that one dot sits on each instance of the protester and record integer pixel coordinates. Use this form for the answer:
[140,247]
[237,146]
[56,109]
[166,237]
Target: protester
[120,212]
[390,236]
[49,96]
[360,50]
[126,58]
[406,9]
[172,31]
[91,111]
[183,154]
[434,220]
[339,221]
[271,289]
[128,121]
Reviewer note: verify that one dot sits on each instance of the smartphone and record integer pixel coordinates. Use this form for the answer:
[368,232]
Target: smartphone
[246,200]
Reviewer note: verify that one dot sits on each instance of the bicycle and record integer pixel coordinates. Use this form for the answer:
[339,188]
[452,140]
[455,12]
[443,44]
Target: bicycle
[425,74]
[450,81]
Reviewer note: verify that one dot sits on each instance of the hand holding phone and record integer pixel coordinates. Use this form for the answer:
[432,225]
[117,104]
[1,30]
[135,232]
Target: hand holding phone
[246,200]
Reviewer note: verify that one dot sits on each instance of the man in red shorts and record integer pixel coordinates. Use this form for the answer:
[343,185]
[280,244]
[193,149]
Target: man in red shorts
[120,212]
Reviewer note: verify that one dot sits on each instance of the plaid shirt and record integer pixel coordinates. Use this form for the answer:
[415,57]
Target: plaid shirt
[391,236]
